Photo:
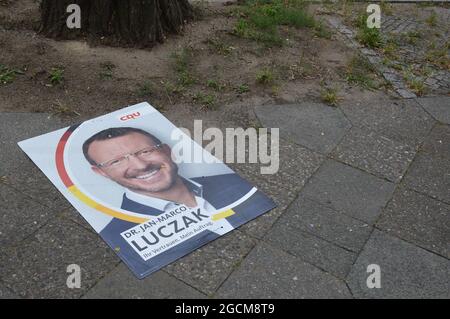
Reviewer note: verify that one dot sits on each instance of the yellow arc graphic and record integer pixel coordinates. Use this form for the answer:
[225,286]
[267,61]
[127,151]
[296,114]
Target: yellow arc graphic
[91,203]
[137,220]
[222,215]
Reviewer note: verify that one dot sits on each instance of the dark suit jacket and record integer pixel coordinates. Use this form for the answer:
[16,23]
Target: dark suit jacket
[218,190]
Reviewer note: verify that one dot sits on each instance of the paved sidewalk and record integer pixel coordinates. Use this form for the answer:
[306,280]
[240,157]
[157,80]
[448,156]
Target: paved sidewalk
[364,183]
[413,57]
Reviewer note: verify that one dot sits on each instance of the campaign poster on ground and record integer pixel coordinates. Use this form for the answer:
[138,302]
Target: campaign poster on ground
[138,181]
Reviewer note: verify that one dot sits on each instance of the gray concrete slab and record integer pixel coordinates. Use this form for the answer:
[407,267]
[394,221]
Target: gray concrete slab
[271,273]
[400,120]
[406,270]
[73,215]
[259,226]
[208,267]
[201,269]
[312,243]
[418,219]
[430,174]
[29,180]
[233,247]
[5,293]
[438,107]
[20,216]
[290,235]
[309,216]
[297,164]
[316,126]
[375,153]
[438,142]
[15,127]
[281,195]
[16,168]
[38,268]
[122,284]
[349,190]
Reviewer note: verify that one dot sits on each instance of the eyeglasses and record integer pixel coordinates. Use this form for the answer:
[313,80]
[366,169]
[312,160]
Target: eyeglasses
[121,161]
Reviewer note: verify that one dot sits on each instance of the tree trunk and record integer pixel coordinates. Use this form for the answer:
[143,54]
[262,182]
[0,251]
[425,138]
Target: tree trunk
[135,22]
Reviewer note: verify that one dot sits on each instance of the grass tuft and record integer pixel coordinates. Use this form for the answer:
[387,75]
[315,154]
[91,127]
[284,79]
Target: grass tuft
[145,89]
[416,84]
[107,70]
[208,101]
[330,96]
[360,72]
[7,75]
[369,37]
[265,76]
[56,75]
[242,88]
[260,20]
[181,62]
[432,19]
[216,86]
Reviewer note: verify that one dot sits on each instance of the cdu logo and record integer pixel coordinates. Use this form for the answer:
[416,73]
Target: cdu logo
[129,117]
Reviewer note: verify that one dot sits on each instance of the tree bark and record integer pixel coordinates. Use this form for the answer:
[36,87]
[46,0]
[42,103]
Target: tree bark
[132,22]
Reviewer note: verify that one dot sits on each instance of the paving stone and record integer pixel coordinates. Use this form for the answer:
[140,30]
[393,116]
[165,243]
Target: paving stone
[438,142]
[15,127]
[398,25]
[349,190]
[315,126]
[233,247]
[5,293]
[312,249]
[418,219]
[270,273]
[208,267]
[17,169]
[375,153]
[297,164]
[323,222]
[201,269]
[374,59]
[282,196]
[73,215]
[122,284]
[430,174]
[37,268]
[368,51]
[438,107]
[400,120]
[407,271]
[431,81]
[391,77]
[20,216]
[319,235]
[29,180]
[259,226]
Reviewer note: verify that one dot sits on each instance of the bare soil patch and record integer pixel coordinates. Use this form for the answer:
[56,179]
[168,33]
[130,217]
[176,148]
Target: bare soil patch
[208,72]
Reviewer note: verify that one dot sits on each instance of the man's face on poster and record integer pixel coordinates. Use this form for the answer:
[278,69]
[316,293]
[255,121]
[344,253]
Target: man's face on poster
[136,162]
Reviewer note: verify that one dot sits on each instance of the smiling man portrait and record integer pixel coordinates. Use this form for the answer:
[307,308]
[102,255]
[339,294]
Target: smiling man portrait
[138,161]
[143,165]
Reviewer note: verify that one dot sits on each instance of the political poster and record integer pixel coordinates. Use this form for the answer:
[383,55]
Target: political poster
[150,191]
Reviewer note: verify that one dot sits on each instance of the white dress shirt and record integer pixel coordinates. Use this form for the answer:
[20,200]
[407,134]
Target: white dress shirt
[167,206]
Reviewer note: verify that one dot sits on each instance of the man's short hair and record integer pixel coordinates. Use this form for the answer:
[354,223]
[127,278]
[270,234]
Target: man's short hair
[113,133]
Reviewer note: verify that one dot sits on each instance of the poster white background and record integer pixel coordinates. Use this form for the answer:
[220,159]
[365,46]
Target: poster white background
[42,150]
